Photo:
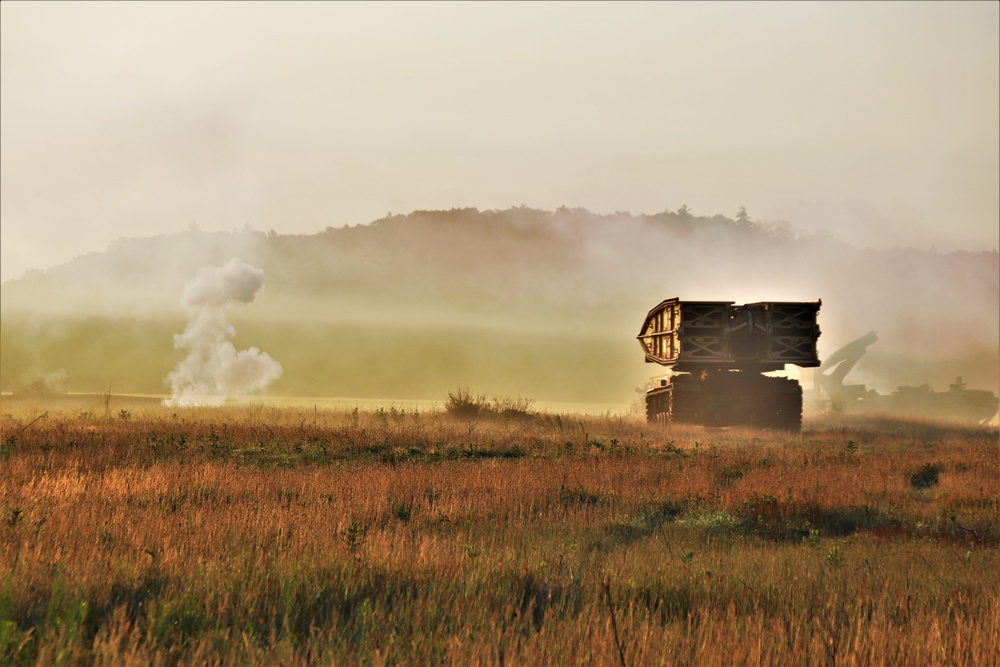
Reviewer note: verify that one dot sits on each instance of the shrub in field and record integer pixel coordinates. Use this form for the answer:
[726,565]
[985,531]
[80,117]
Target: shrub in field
[507,407]
[402,510]
[354,535]
[463,404]
[926,477]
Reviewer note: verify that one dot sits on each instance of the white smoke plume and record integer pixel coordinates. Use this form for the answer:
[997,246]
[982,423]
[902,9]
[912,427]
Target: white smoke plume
[214,370]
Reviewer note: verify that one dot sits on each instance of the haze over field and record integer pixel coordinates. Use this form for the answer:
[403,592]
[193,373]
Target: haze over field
[567,165]
[544,304]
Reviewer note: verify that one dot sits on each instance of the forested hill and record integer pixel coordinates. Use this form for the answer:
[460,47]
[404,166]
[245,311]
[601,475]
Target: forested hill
[538,303]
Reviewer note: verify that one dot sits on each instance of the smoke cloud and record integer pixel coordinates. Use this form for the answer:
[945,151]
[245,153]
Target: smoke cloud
[215,370]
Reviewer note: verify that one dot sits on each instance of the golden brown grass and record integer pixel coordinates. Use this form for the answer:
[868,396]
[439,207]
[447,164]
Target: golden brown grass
[258,535]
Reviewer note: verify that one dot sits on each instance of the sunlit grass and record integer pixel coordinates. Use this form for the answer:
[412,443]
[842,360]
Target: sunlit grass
[255,533]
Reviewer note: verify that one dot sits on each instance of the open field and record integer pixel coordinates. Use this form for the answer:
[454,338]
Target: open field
[256,534]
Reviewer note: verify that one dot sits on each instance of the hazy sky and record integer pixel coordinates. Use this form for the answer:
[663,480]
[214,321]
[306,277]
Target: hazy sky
[877,122]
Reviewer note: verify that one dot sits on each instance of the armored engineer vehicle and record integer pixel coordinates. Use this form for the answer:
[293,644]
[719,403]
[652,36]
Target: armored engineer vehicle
[718,353]
[958,404]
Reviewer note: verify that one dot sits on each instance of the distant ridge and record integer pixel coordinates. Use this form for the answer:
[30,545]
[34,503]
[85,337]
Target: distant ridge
[522,301]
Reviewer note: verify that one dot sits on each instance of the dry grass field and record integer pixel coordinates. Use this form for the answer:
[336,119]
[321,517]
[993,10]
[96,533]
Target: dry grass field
[259,535]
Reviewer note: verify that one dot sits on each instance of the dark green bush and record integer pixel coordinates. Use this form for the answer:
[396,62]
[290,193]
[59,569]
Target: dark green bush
[926,477]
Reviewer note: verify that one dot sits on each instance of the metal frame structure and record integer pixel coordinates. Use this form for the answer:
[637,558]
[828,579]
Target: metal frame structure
[718,351]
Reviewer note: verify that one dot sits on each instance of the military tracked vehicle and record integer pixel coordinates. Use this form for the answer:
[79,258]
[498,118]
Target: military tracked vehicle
[958,404]
[718,353]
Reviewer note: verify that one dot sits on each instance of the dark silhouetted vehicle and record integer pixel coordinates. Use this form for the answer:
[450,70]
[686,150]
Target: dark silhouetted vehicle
[959,403]
[718,353]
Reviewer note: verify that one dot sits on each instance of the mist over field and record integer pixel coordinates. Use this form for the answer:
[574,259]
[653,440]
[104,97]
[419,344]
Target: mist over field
[254,126]
[517,302]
